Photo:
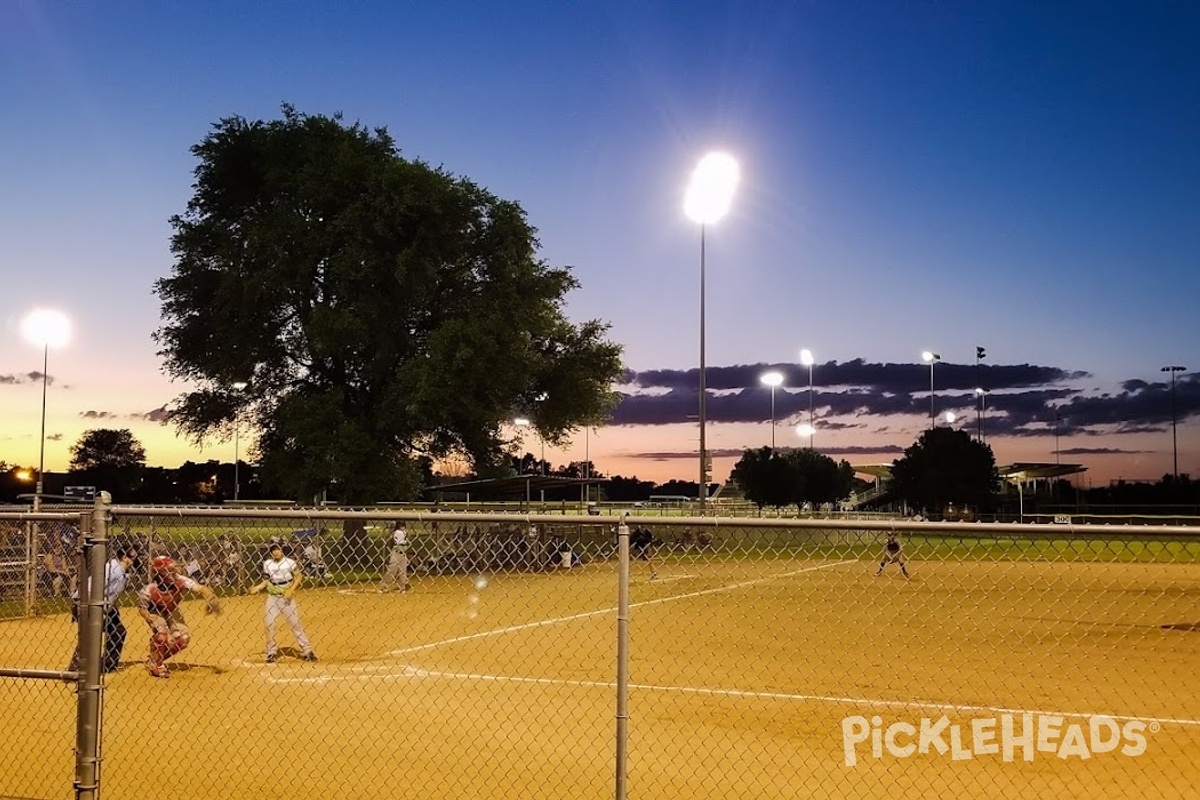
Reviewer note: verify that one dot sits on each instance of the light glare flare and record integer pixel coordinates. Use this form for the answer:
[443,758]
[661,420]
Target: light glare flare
[46,327]
[772,379]
[710,191]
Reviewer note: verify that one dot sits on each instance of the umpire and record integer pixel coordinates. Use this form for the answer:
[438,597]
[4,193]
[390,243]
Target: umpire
[116,574]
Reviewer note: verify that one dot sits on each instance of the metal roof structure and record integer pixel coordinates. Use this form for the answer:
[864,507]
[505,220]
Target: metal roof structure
[1013,473]
[1028,471]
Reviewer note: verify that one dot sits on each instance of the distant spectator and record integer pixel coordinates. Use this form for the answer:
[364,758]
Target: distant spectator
[313,557]
[191,564]
[58,572]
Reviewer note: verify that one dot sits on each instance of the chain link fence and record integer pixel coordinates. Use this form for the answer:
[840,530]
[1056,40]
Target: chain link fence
[449,655]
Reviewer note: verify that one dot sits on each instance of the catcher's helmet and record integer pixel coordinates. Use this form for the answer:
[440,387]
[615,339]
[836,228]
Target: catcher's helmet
[163,565]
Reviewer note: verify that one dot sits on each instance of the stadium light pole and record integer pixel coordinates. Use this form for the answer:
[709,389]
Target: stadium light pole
[1057,456]
[982,394]
[523,422]
[806,358]
[772,379]
[587,468]
[46,328]
[707,199]
[1173,368]
[238,386]
[804,429]
[932,358]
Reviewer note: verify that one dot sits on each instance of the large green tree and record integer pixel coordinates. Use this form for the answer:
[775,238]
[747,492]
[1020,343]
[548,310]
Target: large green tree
[109,459]
[378,310]
[946,466]
[817,478]
[765,477]
[792,477]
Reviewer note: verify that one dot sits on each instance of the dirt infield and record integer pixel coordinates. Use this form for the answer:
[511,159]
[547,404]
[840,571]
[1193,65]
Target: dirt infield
[751,678]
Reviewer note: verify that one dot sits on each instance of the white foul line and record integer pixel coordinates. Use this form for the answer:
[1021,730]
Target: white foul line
[409,671]
[611,609]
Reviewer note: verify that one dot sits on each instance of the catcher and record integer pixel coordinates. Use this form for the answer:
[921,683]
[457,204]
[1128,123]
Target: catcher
[158,604]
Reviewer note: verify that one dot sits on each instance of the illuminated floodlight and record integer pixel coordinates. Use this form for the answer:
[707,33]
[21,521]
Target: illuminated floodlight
[710,191]
[46,327]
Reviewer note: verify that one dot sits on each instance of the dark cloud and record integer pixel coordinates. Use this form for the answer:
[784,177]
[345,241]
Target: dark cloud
[54,437]
[28,377]
[1021,400]
[1099,451]
[98,415]
[157,415]
[675,455]
[672,455]
[856,450]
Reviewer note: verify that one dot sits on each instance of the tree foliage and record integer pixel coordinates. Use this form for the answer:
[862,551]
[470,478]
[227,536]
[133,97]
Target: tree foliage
[946,466]
[108,459]
[379,310]
[107,448]
[817,478]
[793,477]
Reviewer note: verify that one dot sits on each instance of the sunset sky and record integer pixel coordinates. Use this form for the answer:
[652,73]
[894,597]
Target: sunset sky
[1023,177]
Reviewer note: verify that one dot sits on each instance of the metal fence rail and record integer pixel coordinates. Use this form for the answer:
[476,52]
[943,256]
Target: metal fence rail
[500,655]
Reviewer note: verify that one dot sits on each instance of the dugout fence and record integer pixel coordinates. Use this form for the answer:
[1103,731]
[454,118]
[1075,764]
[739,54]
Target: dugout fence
[555,656]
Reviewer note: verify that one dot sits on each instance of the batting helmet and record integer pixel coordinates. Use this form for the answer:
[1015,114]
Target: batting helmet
[163,565]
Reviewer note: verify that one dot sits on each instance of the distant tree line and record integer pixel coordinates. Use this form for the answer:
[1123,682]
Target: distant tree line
[943,467]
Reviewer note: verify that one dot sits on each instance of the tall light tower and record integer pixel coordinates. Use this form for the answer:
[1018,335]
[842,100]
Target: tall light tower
[237,429]
[45,328]
[772,379]
[932,358]
[1057,456]
[806,358]
[982,394]
[709,195]
[1173,368]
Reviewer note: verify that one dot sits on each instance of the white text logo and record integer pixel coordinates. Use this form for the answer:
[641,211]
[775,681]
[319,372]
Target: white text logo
[1009,736]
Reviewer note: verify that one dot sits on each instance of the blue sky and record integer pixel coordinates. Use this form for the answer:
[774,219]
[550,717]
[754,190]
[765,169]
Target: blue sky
[1021,176]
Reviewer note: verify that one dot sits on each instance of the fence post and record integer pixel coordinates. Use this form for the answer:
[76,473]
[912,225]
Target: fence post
[622,657]
[91,634]
[31,567]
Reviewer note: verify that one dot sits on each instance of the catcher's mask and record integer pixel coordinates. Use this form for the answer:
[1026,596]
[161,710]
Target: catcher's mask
[163,566]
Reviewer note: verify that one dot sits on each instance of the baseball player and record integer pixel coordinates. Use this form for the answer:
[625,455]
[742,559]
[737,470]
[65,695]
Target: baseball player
[397,567]
[642,547]
[893,553]
[158,604]
[282,578]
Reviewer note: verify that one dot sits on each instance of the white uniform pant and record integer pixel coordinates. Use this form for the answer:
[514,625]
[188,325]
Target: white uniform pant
[278,605]
[397,572]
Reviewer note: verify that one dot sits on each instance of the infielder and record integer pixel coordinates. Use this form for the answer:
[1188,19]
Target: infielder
[282,578]
[893,553]
[158,604]
[642,546]
[397,567]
